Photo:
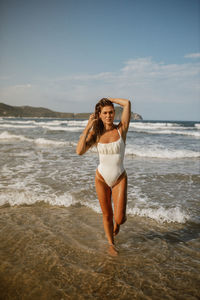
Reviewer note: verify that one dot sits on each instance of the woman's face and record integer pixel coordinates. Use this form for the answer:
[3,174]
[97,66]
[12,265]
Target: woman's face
[107,114]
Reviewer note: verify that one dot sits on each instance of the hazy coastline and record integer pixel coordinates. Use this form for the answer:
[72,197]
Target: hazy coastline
[36,112]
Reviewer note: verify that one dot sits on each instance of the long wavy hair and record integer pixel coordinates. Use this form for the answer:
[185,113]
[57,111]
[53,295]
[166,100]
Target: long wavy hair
[98,126]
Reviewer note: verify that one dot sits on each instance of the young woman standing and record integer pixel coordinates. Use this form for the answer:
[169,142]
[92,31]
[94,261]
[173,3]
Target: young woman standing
[111,177]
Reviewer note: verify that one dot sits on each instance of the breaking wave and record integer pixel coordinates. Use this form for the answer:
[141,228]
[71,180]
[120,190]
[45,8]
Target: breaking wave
[39,141]
[158,152]
[161,215]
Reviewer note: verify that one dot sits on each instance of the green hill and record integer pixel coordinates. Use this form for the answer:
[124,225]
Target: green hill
[41,112]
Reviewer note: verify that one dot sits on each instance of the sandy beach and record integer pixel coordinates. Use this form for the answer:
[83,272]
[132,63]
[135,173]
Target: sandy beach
[61,253]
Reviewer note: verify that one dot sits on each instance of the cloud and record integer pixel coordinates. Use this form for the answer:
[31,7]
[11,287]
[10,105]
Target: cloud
[192,55]
[157,87]
[141,76]
[137,71]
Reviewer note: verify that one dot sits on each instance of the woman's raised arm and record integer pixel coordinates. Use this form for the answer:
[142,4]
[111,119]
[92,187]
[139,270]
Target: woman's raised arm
[126,114]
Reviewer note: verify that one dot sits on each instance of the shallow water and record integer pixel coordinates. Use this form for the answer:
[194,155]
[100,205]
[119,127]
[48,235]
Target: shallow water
[52,242]
[61,253]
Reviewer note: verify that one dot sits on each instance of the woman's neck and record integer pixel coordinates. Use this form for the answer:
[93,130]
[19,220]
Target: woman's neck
[108,127]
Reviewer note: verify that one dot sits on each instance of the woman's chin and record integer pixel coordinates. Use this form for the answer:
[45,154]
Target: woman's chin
[110,122]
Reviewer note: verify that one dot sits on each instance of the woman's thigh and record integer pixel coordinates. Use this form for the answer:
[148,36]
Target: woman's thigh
[104,195]
[119,195]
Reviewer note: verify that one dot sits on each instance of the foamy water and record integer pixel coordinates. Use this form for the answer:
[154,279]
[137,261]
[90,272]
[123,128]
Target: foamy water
[39,163]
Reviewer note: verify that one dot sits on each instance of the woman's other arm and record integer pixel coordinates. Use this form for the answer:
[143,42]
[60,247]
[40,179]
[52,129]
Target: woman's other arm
[86,138]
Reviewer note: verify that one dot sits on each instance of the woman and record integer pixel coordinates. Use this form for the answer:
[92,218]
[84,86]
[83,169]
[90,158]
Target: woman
[111,178]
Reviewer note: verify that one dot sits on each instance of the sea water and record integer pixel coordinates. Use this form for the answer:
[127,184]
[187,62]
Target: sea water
[45,187]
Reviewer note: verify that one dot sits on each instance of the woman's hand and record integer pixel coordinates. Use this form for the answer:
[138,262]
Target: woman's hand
[111,99]
[91,121]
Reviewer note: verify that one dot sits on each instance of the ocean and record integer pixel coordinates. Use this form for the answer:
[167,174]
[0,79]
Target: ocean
[52,242]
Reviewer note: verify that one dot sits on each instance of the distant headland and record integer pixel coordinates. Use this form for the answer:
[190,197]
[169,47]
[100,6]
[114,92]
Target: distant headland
[41,112]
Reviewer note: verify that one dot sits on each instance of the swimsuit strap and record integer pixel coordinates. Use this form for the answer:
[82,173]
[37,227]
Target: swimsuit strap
[119,132]
[121,136]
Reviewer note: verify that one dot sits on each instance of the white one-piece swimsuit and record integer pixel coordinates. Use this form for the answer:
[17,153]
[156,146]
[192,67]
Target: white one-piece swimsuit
[111,157]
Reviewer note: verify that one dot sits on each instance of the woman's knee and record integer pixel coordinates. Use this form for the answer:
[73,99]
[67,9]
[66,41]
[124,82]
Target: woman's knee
[108,217]
[121,219]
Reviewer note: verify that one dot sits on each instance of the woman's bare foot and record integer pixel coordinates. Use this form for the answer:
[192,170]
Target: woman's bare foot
[112,250]
[116,229]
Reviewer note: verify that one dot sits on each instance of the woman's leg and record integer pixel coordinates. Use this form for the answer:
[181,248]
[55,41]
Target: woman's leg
[119,195]
[104,196]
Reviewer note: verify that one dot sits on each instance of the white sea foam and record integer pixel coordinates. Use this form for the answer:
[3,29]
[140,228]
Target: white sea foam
[136,194]
[74,123]
[94,206]
[50,123]
[77,126]
[148,125]
[185,132]
[46,142]
[39,141]
[29,198]
[63,200]
[34,123]
[144,207]
[17,198]
[60,128]
[17,121]
[77,122]
[157,152]
[179,132]
[53,125]
[197,125]
[8,136]
[16,126]
[161,214]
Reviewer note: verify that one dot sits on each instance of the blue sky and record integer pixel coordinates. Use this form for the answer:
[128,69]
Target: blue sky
[66,55]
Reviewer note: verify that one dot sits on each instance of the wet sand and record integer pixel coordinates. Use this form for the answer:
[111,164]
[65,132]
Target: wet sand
[61,253]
